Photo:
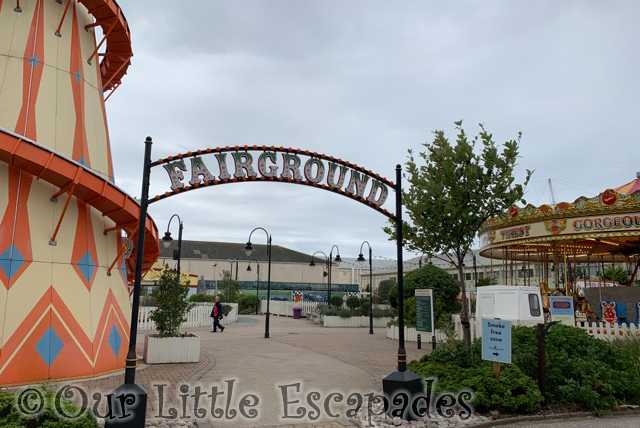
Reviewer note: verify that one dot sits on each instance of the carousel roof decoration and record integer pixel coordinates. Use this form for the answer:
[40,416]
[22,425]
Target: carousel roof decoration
[606,225]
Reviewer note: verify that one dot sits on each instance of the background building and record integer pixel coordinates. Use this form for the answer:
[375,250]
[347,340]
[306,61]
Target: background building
[290,269]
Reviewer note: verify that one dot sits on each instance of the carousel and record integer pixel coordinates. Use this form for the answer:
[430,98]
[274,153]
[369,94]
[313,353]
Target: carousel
[566,248]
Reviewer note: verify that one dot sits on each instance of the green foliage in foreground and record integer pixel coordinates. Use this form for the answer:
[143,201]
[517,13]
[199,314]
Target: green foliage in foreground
[590,373]
[11,418]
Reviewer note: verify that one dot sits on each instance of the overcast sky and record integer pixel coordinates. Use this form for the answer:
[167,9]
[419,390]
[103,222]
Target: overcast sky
[366,81]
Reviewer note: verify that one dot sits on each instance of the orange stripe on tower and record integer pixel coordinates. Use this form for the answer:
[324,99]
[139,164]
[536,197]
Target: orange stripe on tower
[80,145]
[32,75]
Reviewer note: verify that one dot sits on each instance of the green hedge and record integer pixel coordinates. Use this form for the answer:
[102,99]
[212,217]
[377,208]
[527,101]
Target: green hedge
[581,371]
[11,418]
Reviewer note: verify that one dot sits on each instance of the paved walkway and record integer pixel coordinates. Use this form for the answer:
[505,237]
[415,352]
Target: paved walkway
[322,360]
[612,422]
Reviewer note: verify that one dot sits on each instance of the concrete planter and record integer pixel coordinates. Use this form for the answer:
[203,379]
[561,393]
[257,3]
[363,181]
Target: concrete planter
[361,321]
[161,350]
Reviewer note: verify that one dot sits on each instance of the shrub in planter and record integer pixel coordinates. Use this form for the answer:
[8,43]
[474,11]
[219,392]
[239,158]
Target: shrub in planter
[336,301]
[247,302]
[344,313]
[364,305]
[353,302]
[201,298]
[172,304]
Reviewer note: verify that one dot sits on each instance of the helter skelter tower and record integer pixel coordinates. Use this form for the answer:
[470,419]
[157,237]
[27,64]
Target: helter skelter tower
[64,300]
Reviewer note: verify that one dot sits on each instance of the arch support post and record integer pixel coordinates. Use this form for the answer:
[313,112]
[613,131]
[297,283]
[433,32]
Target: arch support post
[401,384]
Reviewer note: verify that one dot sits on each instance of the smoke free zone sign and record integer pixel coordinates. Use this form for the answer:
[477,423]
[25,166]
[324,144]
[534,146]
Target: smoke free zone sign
[496,340]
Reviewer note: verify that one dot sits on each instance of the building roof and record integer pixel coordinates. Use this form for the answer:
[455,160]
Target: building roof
[206,250]
[440,261]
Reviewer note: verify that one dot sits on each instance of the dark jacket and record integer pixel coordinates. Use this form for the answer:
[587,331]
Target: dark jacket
[220,310]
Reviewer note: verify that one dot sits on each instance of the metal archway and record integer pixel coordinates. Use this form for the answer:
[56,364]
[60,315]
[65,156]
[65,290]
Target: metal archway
[314,174]
[318,170]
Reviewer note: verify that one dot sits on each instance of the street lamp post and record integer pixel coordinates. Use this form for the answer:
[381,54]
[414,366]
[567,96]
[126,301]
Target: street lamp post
[214,277]
[360,259]
[331,260]
[167,240]
[257,281]
[312,263]
[248,250]
[136,408]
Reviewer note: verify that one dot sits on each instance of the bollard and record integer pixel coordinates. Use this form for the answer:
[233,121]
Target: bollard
[419,342]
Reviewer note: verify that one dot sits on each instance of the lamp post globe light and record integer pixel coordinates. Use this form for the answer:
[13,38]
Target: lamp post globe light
[248,250]
[257,281]
[361,260]
[167,240]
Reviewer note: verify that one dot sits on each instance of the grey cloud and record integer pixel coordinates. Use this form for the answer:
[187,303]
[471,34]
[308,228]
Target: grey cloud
[365,81]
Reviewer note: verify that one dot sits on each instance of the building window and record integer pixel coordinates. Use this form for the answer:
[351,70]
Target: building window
[455,276]
[467,276]
[481,275]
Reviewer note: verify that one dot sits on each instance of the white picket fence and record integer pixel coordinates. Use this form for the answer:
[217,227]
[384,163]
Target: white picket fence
[285,309]
[361,321]
[198,316]
[606,331]
[599,330]
[411,335]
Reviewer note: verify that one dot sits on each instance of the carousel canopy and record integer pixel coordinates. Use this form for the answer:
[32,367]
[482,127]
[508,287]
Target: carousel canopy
[631,187]
[602,228]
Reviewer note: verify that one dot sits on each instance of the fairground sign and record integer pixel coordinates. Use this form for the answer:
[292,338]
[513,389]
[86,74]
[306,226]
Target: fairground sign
[219,165]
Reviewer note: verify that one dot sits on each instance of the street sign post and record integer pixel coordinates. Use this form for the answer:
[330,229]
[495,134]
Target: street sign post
[496,340]
[562,310]
[424,311]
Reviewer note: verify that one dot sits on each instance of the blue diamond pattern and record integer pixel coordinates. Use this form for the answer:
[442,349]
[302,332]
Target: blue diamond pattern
[11,261]
[49,346]
[115,340]
[34,61]
[78,76]
[87,266]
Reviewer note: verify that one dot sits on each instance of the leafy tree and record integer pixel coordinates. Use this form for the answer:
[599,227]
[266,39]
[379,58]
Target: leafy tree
[445,292]
[353,302]
[453,190]
[172,304]
[620,275]
[383,289]
[229,288]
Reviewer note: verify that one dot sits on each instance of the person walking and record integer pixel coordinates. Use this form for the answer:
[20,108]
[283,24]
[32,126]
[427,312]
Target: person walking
[216,314]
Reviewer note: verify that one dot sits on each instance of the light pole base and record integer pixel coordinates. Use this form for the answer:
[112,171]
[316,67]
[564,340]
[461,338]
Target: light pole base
[407,383]
[128,407]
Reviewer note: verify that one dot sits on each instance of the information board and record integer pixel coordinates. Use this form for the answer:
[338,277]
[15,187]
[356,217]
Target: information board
[561,308]
[496,340]
[424,310]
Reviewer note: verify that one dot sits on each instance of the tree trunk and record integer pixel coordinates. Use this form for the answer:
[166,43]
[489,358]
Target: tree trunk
[464,317]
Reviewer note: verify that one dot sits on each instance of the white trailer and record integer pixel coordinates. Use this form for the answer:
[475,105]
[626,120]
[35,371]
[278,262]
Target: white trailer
[519,304]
